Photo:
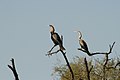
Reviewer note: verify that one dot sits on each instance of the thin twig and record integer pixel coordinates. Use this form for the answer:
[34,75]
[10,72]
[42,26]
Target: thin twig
[117,64]
[51,53]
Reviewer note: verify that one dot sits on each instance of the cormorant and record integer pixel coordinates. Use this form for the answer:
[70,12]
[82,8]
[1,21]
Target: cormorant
[82,43]
[56,38]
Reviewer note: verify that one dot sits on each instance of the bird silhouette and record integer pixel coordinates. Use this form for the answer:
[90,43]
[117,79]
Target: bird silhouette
[56,38]
[82,43]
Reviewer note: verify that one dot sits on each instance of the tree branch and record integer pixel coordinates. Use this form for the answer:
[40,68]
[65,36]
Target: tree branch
[12,68]
[104,66]
[117,64]
[65,60]
[87,69]
[51,53]
[91,54]
[68,64]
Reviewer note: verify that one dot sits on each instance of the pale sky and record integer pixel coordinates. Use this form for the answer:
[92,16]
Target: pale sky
[25,36]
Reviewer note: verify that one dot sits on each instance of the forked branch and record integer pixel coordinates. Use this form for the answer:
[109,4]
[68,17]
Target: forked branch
[65,57]
[13,69]
[51,53]
[95,53]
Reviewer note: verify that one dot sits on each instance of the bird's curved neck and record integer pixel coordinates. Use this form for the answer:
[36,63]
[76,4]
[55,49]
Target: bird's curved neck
[80,36]
[52,32]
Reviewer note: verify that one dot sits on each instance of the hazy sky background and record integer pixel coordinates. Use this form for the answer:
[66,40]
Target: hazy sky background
[24,32]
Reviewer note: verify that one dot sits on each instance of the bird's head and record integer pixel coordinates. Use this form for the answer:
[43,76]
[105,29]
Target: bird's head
[79,34]
[51,28]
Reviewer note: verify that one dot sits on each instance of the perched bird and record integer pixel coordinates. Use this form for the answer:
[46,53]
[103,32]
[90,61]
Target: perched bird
[56,38]
[82,43]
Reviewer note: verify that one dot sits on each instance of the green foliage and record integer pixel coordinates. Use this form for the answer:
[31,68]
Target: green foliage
[79,69]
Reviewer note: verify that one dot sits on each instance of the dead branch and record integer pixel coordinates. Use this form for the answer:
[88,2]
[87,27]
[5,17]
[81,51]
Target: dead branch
[51,49]
[51,53]
[87,69]
[105,63]
[117,64]
[104,66]
[65,57]
[68,64]
[13,69]
[95,53]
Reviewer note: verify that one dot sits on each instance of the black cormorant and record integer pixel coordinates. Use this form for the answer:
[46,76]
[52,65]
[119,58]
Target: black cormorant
[55,38]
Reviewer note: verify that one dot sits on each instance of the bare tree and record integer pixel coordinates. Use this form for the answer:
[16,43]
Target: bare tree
[13,69]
